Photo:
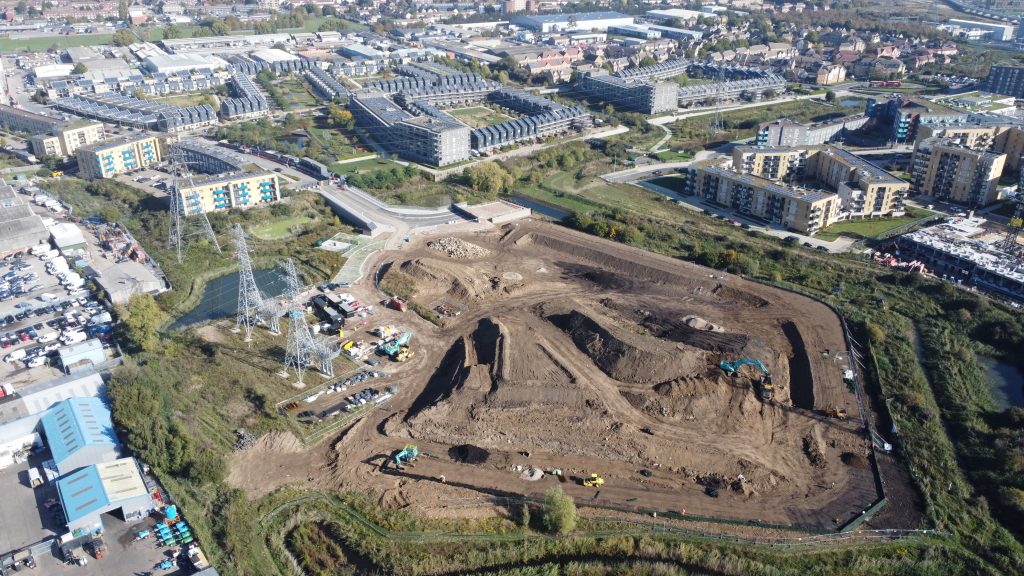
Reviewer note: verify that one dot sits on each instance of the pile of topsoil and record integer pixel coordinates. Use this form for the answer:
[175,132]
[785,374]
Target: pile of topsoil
[468,454]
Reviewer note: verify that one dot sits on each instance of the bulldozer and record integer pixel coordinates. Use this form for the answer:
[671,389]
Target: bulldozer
[837,413]
[594,481]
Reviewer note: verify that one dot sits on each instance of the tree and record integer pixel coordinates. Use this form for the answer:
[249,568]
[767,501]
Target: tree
[173,31]
[122,10]
[142,317]
[489,177]
[110,213]
[559,511]
[79,69]
[124,37]
[830,96]
[340,117]
[647,61]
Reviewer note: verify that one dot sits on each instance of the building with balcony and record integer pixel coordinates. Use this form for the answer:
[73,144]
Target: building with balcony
[108,159]
[637,95]
[904,115]
[231,190]
[1001,134]
[64,141]
[945,170]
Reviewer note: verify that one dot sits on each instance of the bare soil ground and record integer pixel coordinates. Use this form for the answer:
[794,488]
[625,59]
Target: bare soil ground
[576,353]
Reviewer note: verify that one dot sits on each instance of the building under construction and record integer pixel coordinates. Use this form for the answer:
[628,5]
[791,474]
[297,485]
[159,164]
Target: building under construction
[959,252]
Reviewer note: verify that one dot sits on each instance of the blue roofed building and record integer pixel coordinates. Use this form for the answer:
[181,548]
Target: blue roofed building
[95,490]
[79,432]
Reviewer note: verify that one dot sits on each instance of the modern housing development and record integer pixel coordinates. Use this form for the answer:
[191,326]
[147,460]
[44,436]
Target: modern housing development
[947,170]
[230,190]
[802,188]
[110,158]
[1007,80]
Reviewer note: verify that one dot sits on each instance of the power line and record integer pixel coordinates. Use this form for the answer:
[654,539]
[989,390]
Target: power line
[187,216]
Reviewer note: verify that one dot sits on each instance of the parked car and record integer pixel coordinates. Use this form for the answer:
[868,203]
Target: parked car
[36,362]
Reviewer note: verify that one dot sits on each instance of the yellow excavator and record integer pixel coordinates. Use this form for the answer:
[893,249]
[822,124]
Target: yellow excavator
[594,481]
[837,413]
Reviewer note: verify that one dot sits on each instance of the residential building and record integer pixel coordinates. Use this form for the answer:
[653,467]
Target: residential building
[864,190]
[1007,80]
[136,113]
[230,190]
[627,94]
[434,141]
[904,115]
[829,74]
[791,207]
[1000,135]
[781,133]
[17,120]
[64,141]
[107,159]
[945,170]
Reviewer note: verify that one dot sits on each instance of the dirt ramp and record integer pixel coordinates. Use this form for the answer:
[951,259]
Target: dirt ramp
[625,356]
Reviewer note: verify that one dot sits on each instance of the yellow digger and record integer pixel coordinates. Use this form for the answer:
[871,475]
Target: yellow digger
[837,413]
[594,481]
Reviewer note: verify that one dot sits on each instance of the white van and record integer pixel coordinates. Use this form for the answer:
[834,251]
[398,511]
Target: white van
[47,337]
[47,297]
[15,356]
[49,255]
[39,249]
[73,338]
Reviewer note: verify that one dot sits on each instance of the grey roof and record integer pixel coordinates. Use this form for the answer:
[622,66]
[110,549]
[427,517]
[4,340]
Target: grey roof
[547,18]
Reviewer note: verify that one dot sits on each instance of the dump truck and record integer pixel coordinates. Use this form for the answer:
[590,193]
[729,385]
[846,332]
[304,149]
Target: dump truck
[837,413]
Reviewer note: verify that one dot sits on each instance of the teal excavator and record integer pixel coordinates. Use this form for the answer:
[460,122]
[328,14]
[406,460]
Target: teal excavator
[407,455]
[767,390]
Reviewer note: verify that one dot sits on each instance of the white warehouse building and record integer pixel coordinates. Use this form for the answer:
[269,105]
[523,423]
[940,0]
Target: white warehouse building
[546,23]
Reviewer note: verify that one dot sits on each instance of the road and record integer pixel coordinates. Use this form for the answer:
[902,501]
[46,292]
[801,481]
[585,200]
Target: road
[648,170]
[402,220]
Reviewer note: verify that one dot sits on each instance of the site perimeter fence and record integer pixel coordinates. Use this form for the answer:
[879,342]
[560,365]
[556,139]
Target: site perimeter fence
[620,528]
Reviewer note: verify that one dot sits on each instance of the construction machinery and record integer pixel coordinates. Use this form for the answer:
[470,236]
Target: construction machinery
[403,354]
[391,347]
[767,389]
[594,481]
[837,413]
[408,455]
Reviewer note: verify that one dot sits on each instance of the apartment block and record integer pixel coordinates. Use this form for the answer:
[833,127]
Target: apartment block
[64,141]
[864,190]
[433,141]
[1007,80]
[1001,138]
[781,133]
[948,171]
[624,94]
[232,190]
[109,159]
[792,207]
[17,120]
[905,115]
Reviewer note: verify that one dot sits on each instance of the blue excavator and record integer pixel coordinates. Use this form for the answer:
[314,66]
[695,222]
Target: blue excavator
[767,390]
[407,455]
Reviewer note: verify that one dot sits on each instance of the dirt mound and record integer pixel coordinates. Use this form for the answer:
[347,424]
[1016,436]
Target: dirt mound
[813,451]
[456,248]
[468,454]
[855,460]
[663,321]
[626,356]
[701,324]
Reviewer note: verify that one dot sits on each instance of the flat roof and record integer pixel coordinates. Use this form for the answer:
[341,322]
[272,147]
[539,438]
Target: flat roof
[808,194]
[578,16]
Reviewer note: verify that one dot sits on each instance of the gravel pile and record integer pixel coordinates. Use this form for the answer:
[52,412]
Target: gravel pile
[456,248]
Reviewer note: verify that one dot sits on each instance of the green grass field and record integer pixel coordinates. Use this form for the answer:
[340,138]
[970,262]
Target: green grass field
[479,116]
[673,183]
[9,45]
[872,228]
[280,229]
[363,166]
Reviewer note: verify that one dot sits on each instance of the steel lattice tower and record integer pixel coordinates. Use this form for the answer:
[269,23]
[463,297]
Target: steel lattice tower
[716,124]
[1009,242]
[301,348]
[250,300]
[184,224]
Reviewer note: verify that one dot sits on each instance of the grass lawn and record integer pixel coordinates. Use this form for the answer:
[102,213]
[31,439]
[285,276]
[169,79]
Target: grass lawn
[363,166]
[478,116]
[871,228]
[10,45]
[280,229]
[673,183]
[295,92]
[182,99]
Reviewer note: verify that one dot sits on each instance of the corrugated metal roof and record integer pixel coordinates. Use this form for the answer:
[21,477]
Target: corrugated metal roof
[76,423]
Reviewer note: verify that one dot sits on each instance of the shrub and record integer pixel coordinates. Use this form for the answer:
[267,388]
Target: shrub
[559,511]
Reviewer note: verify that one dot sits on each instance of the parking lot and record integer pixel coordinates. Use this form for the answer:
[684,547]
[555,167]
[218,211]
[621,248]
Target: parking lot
[24,516]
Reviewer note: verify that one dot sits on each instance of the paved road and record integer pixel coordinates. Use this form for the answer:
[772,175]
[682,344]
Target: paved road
[648,170]
[400,219]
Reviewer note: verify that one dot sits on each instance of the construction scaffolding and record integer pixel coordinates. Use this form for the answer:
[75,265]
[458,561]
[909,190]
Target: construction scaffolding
[187,217]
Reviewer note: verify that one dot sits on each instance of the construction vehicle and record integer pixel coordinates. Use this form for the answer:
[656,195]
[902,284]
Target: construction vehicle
[594,481]
[407,455]
[837,413]
[56,173]
[767,389]
[391,347]
[403,354]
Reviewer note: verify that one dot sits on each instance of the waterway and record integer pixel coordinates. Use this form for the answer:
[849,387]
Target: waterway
[220,297]
[544,209]
[1005,380]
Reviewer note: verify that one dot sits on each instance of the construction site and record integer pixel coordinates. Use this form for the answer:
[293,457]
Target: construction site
[634,381]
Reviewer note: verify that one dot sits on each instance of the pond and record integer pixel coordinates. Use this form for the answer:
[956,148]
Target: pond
[220,297]
[1005,380]
[851,102]
[544,209]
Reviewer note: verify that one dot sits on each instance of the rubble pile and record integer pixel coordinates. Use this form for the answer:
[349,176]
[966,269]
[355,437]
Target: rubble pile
[460,249]
[244,440]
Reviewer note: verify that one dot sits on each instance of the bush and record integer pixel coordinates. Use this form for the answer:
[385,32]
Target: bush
[559,511]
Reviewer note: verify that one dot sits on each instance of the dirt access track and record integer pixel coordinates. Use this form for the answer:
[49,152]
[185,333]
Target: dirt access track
[585,355]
